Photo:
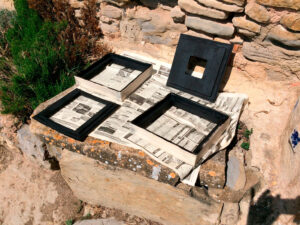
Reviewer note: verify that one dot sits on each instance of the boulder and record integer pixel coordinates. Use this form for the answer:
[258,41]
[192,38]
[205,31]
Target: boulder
[193,7]
[242,22]
[257,12]
[292,4]
[212,172]
[209,26]
[111,12]
[237,2]
[291,21]
[31,145]
[221,6]
[101,184]
[236,176]
[230,213]
[285,37]
[177,15]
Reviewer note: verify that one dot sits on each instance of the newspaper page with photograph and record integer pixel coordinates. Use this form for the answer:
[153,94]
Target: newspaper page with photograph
[116,76]
[77,112]
[117,128]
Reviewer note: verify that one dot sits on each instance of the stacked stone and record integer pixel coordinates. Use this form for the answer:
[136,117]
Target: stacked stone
[269,34]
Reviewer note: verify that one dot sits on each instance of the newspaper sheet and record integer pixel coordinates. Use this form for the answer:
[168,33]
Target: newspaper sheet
[117,128]
[77,112]
[116,77]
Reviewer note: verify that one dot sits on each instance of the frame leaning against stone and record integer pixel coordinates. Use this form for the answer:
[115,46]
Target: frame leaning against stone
[114,76]
[76,114]
[213,125]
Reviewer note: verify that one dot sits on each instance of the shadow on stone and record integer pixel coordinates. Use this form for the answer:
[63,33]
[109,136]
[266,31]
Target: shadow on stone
[267,209]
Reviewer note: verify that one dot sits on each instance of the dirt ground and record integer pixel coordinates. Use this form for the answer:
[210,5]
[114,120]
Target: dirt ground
[32,195]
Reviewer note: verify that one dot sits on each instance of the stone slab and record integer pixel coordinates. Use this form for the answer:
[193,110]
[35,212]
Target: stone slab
[98,183]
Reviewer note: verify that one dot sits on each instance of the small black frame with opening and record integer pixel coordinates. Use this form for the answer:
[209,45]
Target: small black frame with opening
[215,54]
[81,132]
[153,113]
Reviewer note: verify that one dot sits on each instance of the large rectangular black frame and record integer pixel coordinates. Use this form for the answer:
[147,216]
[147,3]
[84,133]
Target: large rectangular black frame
[81,132]
[153,113]
[100,65]
[217,56]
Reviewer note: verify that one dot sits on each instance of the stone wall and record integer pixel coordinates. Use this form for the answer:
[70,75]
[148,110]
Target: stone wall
[267,30]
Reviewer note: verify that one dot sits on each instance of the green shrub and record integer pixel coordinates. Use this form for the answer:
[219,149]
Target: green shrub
[245,145]
[39,59]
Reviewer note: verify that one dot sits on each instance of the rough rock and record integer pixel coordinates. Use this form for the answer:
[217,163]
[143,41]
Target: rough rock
[288,60]
[292,4]
[291,21]
[193,7]
[236,176]
[110,221]
[212,172]
[31,145]
[200,194]
[246,33]
[257,12]
[242,22]
[237,2]
[230,213]
[140,13]
[197,34]
[155,3]
[177,15]
[209,26]
[285,37]
[130,30]
[221,6]
[237,40]
[229,195]
[116,2]
[109,28]
[98,183]
[111,12]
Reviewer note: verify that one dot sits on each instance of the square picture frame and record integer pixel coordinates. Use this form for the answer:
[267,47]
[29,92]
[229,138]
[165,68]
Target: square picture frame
[127,65]
[84,129]
[215,55]
[147,118]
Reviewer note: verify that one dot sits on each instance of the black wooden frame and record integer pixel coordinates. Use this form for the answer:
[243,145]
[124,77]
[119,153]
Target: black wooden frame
[81,132]
[153,113]
[217,56]
[100,65]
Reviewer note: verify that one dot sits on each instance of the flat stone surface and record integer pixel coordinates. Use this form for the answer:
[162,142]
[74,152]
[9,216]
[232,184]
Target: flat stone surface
[177,15]
[98,183]
[109,221]
[230,213]
[285,37]
[257,12]
[192,6]
[209,26]
[292,4]
[212,172]
[111,12]
[242,22]
[103,151]
[236,176]
[291,21]
[221,6]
